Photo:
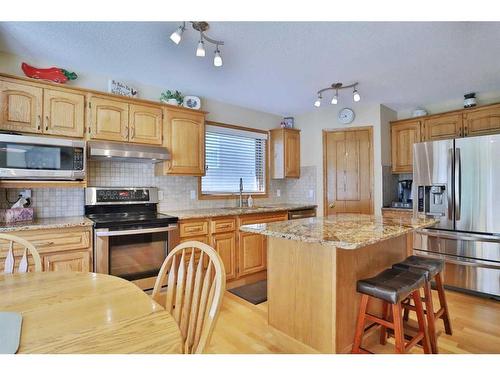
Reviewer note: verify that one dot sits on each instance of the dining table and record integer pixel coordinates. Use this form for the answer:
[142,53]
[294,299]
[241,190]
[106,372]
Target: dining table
[83,312]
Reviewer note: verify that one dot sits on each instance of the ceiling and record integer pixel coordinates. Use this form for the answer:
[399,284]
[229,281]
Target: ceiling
[277,67]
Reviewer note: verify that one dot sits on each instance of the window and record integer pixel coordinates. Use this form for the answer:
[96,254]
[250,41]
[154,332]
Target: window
[232,153]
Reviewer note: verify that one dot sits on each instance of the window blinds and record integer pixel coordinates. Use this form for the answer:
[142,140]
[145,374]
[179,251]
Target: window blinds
[231,154]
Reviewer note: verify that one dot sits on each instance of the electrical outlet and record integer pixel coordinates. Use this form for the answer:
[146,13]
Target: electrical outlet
[311,193]
[278,192]
[25,193]
[193,194]
[160,195]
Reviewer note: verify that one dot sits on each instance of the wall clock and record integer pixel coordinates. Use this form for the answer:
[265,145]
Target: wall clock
[346,116]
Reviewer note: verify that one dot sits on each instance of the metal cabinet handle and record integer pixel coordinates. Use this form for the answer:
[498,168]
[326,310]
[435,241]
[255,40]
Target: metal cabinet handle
[39,123]
[133,131]
[46,122]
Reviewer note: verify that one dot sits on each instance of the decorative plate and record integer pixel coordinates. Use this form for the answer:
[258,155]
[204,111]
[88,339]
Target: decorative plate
[192,102]
[346,116]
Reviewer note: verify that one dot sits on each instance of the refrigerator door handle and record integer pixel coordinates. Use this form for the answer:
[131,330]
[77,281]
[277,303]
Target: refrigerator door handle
[449,193]
[458,183]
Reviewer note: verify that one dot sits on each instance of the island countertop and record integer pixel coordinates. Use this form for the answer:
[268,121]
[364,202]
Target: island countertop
[346,231]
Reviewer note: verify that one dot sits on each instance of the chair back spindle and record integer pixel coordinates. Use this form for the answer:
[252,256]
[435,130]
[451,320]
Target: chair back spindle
[10,259]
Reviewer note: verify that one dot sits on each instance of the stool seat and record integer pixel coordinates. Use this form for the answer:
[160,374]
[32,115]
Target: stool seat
[430,267]
[392,285]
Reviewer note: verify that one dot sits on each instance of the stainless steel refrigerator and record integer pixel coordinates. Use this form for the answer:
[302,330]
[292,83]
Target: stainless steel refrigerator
[458,182]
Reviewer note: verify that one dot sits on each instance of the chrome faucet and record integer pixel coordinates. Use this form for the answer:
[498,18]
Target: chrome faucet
[241,193]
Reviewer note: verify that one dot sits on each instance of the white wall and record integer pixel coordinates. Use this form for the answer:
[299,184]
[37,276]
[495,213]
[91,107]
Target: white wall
[325,117]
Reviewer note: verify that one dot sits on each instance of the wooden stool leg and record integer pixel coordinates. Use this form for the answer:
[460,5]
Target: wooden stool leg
[419,309]
[360,325]
[429,308]
[383,329]
[397,316]
[406,314]
[443,304]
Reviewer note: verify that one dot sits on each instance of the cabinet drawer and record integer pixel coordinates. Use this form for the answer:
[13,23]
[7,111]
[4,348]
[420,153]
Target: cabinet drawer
[193,228]
[223,225]
[259,219]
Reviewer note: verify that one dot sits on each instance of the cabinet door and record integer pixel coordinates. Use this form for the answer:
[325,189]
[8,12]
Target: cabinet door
[403,136]
[443,127]
[145,124]
[20,107]
[185,139]
[482,121]
[63,113]
[252,253]
[292,154]
[78,261]
[225,245]
[108,119]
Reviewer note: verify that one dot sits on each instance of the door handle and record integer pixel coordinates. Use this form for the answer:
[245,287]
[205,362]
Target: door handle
[46,122]
[39,126]
[331,205]
[458,183]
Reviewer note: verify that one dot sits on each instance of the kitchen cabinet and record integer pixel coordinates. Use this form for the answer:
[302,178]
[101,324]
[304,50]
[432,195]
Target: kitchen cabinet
[108,119]
[446,126]
[225,245]
[185,139]
[61,249]
[63,113]
[482,120]
[285,153]
[20,107]
[403,135]
[145,124]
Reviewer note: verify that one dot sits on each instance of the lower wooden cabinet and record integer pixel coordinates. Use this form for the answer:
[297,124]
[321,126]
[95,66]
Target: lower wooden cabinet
[225,245]
[77,261]
[251,254]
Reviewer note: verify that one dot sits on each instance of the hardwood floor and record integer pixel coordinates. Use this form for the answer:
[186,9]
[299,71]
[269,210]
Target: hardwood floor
[242,328]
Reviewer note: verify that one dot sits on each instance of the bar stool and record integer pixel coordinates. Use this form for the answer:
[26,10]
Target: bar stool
[432,269]
[392,286]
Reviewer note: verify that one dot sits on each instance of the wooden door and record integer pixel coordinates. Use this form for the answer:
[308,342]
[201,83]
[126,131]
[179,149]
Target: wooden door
[77,261]
[225,245]
[145,124]
[292,153]
[20,107]
[252,253]
[442,127]
[482,121]
[63,113]
[403,136]
[185,139]
[108,119]
[348,171]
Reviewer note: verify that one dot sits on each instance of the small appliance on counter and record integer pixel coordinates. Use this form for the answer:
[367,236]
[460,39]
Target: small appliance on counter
[404,195]
[131,239]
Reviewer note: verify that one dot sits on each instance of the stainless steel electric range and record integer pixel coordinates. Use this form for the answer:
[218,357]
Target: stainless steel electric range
[131,239]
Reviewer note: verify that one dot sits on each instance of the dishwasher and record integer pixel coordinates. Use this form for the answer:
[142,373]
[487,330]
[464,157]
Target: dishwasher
[301,213]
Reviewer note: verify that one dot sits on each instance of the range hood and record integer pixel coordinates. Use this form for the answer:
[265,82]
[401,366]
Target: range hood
[127,152]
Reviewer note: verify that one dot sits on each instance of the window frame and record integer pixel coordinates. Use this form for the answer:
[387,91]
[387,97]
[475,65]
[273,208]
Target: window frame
[265,193]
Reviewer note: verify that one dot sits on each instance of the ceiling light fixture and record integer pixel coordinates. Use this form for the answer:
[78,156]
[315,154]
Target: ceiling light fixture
[338,86]
[202,27]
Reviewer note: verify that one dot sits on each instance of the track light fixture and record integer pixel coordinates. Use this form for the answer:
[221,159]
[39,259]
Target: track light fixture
[201,27]
[338,86]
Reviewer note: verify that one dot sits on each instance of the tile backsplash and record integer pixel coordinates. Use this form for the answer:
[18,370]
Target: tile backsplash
[176,189]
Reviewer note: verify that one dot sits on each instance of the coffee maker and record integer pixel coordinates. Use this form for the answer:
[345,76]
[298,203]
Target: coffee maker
[404,195]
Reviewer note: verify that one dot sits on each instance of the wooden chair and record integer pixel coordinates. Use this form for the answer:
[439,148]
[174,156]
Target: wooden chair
[196,282]
[23,263]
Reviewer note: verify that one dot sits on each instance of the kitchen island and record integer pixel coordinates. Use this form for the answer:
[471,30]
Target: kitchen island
[313,265]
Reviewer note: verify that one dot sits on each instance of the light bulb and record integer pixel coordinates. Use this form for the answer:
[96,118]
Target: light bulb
[200,51]
[317,103]
[355,95]
[177,35]
[335,99]
[217,58]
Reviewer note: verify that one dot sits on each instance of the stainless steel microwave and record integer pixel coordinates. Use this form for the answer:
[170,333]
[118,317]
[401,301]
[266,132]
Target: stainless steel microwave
[41,158]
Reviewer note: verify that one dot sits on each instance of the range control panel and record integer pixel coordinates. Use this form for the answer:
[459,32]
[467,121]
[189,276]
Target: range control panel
[122,195]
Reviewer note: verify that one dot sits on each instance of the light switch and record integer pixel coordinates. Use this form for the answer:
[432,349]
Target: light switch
[311,193]
[278,192]
[193,194]
[160,195]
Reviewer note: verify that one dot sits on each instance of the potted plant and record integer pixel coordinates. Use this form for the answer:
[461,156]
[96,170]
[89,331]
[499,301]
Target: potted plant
[172,97]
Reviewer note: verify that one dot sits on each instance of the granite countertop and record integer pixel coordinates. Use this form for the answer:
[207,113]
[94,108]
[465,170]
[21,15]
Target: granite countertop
[398,209]
[346,231]
[235,211]
[47,223]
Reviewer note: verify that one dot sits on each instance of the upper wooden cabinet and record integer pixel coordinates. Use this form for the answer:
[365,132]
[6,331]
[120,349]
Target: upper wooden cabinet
[185,140]
[403,135]
[482,120]
[444,126]
[285,153]
[21,107]
[63,113]
[108,119]
[145,124]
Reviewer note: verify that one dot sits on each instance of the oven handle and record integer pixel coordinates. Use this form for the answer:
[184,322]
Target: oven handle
[109,233]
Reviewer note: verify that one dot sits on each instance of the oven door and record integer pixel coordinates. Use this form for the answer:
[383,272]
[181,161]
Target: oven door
[133,254]
[41,158]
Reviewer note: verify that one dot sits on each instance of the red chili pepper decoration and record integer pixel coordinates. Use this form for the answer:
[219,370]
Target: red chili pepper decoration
[54,74]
